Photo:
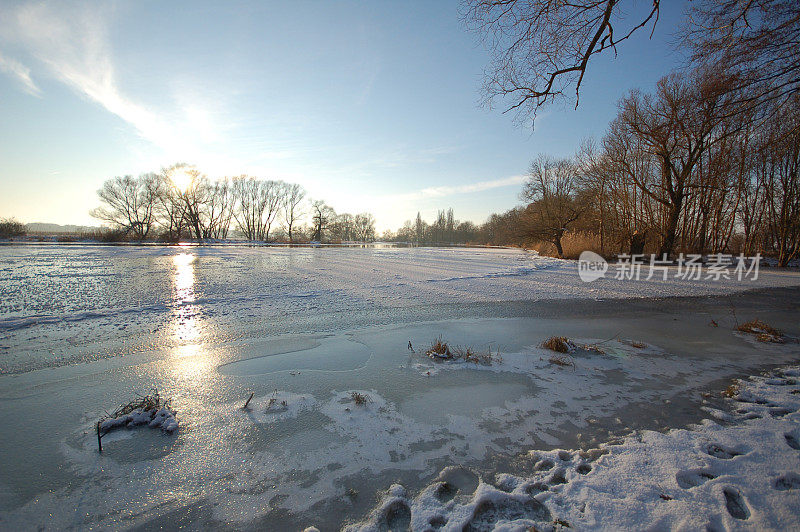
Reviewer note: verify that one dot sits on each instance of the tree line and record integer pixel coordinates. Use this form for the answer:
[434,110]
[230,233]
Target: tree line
[706,162]
[181,202]
[676,172]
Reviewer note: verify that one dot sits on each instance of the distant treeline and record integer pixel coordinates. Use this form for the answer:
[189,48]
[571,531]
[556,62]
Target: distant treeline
[180,202]
[677,171]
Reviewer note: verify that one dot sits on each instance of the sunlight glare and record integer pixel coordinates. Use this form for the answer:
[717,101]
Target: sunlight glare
[181,178]
[186,324]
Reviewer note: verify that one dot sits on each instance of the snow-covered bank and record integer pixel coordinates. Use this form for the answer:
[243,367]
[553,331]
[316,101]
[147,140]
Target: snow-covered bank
[741,473]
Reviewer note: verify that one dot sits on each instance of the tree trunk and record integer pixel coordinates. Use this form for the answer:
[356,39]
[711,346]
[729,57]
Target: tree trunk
[557,242]
[668,243]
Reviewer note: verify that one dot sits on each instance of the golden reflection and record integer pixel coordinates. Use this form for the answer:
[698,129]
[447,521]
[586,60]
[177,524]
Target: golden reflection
[189,358]
[186,322]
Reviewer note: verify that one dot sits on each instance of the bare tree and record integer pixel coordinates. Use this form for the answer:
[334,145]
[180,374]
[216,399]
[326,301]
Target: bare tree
[249,207]
[321,215]
[419,229]
[9,228]
[170,210]
[675,126]
[551,191]
[218,209]
[293,197]
[755,42]
[192,190]
[129,204]
[542,48]
[364,227]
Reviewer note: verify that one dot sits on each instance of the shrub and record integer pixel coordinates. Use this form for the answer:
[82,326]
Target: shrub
[439,351]
[9,228]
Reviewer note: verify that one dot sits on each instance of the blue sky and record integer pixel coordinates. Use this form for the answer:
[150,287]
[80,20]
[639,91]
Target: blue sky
[371,106]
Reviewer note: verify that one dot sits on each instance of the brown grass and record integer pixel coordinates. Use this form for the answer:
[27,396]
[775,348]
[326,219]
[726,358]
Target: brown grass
[763,331]
[560,344]
[486,358]
[594,348]
[562,360]
[359,398]
[440,350]
[573,244]
[638,345]
[732,390]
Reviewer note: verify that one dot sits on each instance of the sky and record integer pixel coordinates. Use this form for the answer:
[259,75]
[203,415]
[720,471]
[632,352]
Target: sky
[370,106]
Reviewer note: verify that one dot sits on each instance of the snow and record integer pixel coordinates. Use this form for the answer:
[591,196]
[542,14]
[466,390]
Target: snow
[162,418]
[740,475]
[277,406]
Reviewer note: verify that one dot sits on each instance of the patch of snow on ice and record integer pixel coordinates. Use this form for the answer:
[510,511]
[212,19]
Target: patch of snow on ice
[739,476]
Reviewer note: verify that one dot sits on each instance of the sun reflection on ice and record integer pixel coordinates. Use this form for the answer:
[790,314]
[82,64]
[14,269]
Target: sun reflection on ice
[186,326]
[190,359]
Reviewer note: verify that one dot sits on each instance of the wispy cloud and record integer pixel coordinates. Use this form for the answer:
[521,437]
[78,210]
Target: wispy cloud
[71,41]
[481,186]
[22,74]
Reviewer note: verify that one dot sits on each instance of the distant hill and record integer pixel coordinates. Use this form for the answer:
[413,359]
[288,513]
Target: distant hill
[38,227]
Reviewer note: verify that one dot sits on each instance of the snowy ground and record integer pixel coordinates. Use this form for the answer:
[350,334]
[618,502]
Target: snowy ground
[83,329]
[741,472]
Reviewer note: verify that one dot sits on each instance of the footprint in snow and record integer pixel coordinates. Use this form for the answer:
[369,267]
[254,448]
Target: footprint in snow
[693,477]
[488,513]
[789,481]
[397,516]
[735,504]
[792,440]
[718,451]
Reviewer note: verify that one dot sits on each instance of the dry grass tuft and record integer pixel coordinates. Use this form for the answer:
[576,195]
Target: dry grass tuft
[594,348]
[560,344]
[573,243]
[359,398]
[562,360]
[439,350]
[485,358]
[273,400]
[731,391]
[638,345]
[763,331]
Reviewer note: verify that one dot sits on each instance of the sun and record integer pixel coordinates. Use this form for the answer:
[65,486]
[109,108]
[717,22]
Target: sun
[181,178]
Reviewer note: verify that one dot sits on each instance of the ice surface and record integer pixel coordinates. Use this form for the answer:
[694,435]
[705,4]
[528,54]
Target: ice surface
[140,298]
[85,327]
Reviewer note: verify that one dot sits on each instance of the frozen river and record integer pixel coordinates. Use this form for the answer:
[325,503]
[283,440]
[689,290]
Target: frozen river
[84,328]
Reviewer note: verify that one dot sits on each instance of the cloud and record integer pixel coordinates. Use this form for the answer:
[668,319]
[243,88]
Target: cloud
[21,73]
[73,44]
[438,192]
[71,41]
